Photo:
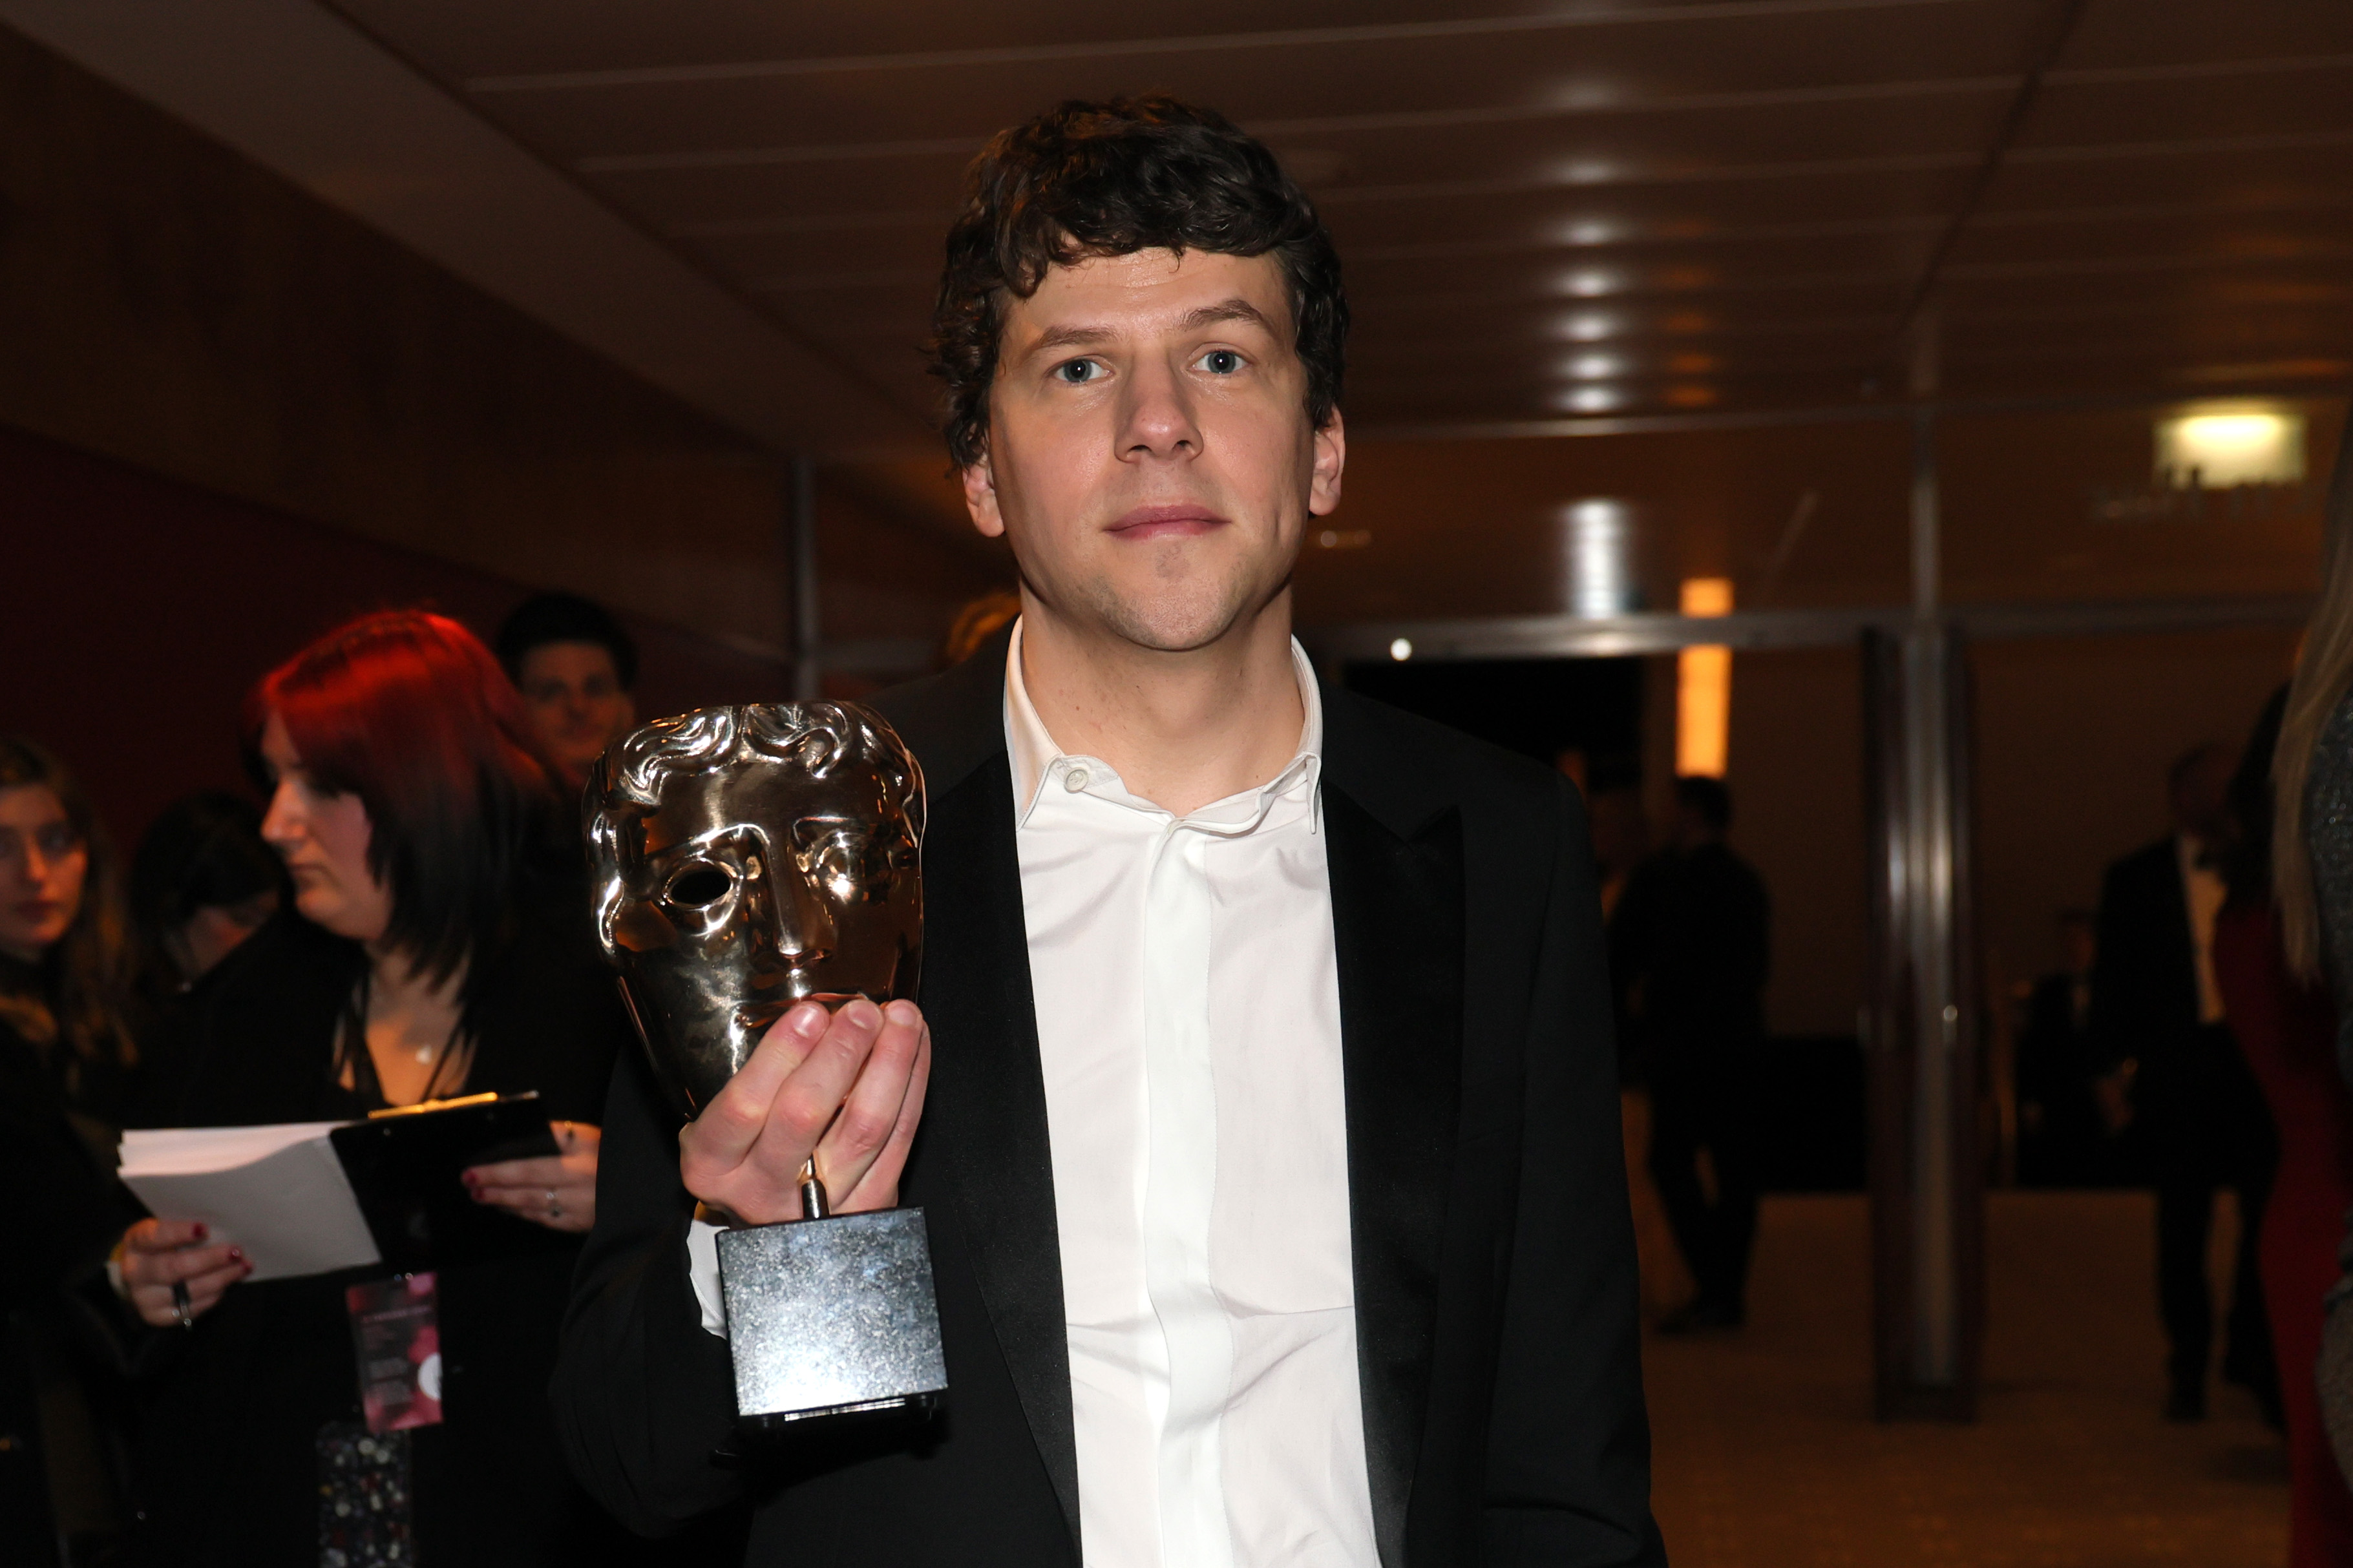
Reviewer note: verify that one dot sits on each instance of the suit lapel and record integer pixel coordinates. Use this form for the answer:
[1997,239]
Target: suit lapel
[1398,928]
[986,1109]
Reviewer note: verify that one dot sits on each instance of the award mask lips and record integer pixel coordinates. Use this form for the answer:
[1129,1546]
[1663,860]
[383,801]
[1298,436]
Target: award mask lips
[744,859]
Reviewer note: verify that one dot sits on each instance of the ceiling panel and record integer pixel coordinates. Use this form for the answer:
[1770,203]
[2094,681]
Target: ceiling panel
[1717,207]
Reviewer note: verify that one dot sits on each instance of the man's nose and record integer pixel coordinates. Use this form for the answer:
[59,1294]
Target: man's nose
[1157,419]
[788,914]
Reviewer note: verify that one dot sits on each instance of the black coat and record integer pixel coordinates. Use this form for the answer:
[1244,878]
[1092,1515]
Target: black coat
[228,1465]
[2196,1105]
[2145,975]
[1495,1285]
[1690,947]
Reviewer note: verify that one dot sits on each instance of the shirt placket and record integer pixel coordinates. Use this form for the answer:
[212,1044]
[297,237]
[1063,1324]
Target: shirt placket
[1180,1184]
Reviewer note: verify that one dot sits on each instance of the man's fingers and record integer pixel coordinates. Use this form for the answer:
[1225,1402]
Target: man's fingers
[879,1188]
[872,1112]
[808,1100]
[737,1115]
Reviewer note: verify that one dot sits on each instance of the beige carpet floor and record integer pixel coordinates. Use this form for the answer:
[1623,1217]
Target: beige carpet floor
[1766,1455]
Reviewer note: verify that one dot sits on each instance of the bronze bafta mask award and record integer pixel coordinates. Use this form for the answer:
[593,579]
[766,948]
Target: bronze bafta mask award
[745,858]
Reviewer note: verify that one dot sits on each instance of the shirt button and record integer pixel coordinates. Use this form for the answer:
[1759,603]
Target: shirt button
[1075,780]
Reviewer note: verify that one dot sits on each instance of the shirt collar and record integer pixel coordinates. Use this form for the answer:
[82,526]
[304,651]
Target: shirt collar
[1033,753]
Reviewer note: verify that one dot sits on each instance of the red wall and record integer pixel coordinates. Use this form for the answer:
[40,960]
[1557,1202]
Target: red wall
[135,612]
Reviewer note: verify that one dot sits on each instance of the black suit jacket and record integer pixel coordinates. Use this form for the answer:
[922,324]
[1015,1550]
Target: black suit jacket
[1499,1363]
[2145,973]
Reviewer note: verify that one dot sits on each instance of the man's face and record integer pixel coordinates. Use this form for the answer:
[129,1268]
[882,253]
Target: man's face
[752,886]
[577,703]
[1149,454]
[2201,797]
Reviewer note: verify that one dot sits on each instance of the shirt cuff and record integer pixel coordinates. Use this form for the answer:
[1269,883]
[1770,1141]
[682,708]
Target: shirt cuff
[702,1273]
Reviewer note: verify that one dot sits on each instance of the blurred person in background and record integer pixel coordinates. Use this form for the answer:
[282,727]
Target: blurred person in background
[577,672]
[978,621]
[1622,837]
[2065,1138]
[67,963]
[2286,1026]
[201,883]
[66,969]
[202,880]
[1691,947]
[439,945]
[2199,1118]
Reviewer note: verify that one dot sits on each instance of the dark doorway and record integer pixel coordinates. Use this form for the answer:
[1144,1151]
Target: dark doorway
[1537,706]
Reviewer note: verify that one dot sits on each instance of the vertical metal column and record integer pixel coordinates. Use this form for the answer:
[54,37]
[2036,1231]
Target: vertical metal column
[808,672]
[1927,1190]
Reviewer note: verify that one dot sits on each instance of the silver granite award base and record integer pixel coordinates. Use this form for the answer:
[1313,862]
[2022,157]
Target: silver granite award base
[833,1315]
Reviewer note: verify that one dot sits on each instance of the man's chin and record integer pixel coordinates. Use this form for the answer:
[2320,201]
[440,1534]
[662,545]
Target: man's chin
[1178,623]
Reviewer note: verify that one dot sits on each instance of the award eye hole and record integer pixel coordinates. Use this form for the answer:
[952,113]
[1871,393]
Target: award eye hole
[699,886]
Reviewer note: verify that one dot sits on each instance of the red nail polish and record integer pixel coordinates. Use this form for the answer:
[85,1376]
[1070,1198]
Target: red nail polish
[201,1231]
[237,1254]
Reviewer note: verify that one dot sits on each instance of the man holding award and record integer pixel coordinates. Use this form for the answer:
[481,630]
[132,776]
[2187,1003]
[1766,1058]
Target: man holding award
[1244,1045]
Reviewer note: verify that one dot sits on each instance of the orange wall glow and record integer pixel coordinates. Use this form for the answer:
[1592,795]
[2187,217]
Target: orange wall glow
[1704,686]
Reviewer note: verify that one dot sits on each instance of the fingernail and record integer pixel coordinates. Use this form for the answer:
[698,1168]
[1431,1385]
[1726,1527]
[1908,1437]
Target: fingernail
[201,1231]
[863,1013]
[902,1012]
[248,1266]
[237,1254]
[807,1020]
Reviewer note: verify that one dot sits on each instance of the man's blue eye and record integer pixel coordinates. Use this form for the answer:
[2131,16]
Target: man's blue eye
[1077,372]
[1221,362]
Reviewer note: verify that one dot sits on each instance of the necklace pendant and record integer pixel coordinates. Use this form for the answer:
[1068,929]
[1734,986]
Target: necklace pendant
[425,1053]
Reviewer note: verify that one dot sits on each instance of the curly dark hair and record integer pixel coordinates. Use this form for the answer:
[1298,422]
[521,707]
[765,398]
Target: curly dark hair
[1110,179]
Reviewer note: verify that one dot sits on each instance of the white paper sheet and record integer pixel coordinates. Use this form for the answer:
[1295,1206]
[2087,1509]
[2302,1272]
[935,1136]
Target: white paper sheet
[277,1192]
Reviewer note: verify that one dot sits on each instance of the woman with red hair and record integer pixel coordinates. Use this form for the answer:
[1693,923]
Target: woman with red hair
[438,946]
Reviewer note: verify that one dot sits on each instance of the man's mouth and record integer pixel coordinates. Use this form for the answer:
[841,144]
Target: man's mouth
[1182,520]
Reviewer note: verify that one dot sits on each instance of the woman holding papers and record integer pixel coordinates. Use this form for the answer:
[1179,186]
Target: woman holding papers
[439,947]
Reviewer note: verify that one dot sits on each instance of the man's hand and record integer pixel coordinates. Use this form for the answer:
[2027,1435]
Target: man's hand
[845,1087]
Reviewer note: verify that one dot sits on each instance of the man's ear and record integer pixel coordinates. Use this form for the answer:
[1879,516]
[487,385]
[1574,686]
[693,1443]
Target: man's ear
[1331,457]
[980,498]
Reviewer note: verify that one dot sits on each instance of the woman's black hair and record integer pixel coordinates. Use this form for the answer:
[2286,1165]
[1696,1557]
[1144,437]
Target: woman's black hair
[1110,179]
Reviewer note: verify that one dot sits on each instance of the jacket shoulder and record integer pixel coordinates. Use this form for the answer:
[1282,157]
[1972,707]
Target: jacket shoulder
[1405,767]
[952,721]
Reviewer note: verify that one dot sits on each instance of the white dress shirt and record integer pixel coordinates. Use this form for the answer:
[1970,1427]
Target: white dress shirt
[1188,1028]
[2203,892]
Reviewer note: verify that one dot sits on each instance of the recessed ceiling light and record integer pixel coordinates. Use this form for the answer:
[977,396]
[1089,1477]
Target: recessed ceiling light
[1591,231]
[1589,282]
[1592,399]
[1594,367]
[2218,446]
[1587,327]
[1400,650]
[1587,171]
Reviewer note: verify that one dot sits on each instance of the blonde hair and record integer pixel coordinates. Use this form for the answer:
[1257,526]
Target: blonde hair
[2324,673]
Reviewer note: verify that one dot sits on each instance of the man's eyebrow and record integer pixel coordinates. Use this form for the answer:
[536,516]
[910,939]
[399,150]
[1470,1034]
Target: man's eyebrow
[1234,310]
[1071,337]
[1083,337]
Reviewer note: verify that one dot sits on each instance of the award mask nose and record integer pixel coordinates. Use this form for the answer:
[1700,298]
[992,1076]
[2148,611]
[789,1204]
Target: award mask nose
[788,915]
